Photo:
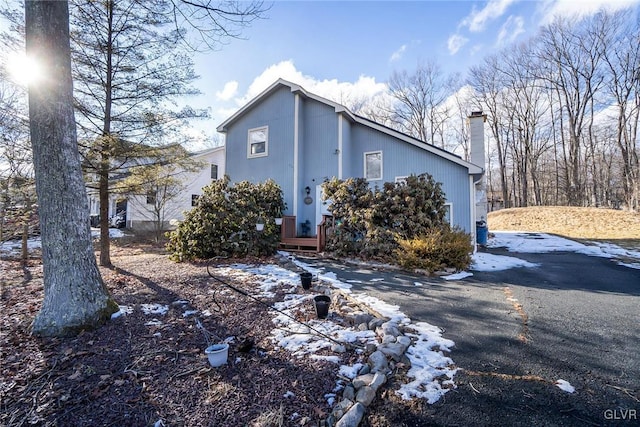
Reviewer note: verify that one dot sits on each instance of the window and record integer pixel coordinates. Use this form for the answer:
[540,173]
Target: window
[214,171]
[194,199]
[373,165]
[401,179]
[151,198]
[258,145]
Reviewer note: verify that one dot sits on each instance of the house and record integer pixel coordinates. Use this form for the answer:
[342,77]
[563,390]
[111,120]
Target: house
[139,211]
[300,140]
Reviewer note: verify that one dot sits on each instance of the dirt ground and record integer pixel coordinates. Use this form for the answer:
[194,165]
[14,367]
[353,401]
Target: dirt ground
[134,371]
[572,222]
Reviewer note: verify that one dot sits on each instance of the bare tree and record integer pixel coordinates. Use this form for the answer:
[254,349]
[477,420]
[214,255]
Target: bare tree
[488,87]
[420,110]
[572,56]
[622,58]
[75,296]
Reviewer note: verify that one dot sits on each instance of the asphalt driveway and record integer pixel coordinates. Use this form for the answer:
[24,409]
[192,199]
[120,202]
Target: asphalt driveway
[517,332]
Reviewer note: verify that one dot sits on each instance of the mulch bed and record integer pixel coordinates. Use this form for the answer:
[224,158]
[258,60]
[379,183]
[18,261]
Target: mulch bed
[131,372]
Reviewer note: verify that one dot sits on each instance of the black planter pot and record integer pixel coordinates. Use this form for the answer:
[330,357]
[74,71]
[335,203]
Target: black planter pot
[322,303]
[305,278]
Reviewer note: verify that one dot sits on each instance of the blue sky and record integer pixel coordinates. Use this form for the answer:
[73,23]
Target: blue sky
[350,48]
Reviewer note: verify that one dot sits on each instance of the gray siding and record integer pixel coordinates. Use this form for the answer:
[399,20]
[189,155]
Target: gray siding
[400,159]
[318,135]
[277,112]
[318,158]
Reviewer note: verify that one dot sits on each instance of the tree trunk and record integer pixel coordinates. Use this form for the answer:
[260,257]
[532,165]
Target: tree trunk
[75,297]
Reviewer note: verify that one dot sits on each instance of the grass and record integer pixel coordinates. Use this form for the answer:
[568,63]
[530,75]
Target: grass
[571,222]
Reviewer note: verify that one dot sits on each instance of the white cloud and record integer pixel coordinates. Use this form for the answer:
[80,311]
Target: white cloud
[229,91]
[398,53]
[477,20]
[552,9]
[362,91]
[456,42]
[511,29]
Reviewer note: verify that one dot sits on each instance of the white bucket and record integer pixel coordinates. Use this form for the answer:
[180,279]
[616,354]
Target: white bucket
[217,354]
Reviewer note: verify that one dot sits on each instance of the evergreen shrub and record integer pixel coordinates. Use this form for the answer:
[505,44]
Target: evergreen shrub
[223,222]
[371,223]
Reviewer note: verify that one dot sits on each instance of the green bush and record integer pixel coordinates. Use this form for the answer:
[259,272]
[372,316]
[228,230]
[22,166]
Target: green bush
[370,221]
[223,222]
[437,249]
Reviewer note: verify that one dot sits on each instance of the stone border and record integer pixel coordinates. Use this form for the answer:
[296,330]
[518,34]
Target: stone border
[381,359]
[360,392]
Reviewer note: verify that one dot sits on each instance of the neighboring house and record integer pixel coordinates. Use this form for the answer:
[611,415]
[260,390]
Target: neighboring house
[138,209]
[300,140]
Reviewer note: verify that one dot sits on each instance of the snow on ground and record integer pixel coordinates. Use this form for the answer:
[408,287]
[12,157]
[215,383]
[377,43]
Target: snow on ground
[13,247]
[431,371]
[483,261]
[527,242]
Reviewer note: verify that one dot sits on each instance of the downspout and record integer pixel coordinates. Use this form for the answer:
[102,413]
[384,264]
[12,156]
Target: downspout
[472,220]
[340,142]
[296,140]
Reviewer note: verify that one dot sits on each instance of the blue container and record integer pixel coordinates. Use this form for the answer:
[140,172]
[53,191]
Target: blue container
[482,233]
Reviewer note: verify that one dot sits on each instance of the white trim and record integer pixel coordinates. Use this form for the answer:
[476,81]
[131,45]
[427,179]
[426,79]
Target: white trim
[296,148]
[364,159]
[266,142]
[340,145]
[450,204]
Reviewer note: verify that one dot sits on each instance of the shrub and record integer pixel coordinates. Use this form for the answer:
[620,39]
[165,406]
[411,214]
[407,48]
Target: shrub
[437,249]
[370,221]
[223,222]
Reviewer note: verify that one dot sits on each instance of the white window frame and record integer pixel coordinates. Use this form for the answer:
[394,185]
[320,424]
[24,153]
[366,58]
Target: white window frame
[366,153]
[450,206]
[401,179]
[265,129]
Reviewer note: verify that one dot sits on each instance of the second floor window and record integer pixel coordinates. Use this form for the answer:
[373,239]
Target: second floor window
[214,171]
[258,144]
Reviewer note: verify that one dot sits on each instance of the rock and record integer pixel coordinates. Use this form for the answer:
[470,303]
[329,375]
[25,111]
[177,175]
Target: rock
[370,348]
[404,340]
[366,395]
[388,339]
[364,370]
[393,350]
[341,408]
[361,317]
[363,327]
[375,323]
[349,393]
[353,417]
[338,348]
[378,380]
[362,380]
[388,328]
[378,362]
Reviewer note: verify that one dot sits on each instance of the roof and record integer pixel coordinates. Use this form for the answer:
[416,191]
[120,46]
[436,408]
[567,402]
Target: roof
[341,109]
[207,151]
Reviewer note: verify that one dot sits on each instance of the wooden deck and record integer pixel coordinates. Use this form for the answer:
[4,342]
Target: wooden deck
[291,242]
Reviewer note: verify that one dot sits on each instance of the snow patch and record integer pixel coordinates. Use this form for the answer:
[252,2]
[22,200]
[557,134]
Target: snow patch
[565,386]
